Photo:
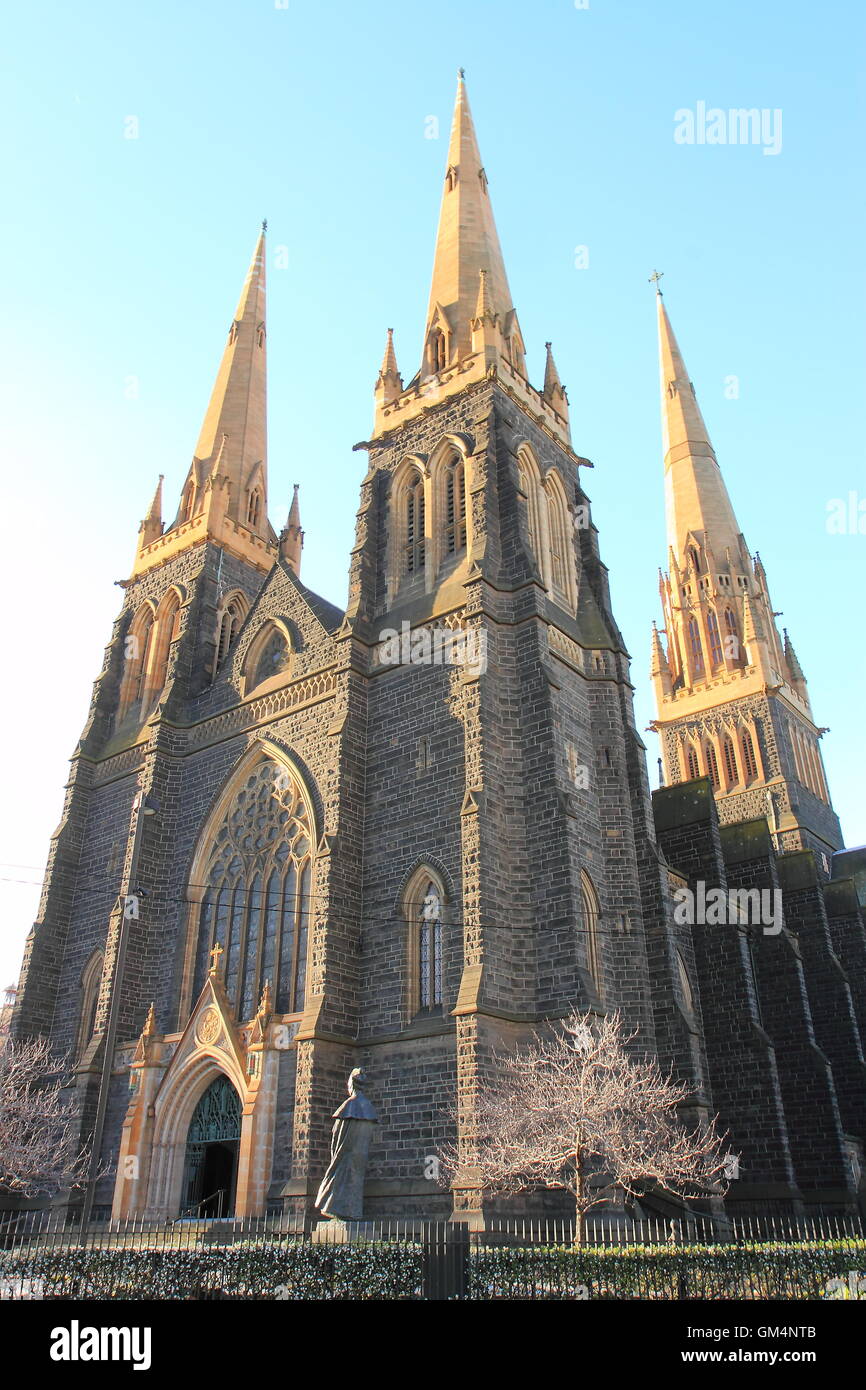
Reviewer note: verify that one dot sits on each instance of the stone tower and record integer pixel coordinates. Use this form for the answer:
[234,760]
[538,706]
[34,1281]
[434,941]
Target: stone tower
[731,698]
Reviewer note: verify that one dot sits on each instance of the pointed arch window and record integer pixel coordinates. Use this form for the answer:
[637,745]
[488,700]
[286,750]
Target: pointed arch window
[137,659]
[229,626]
[685,984]
[530,484]
[167,629]
[91,979]
[730,757]
[695,647]
[712,764]
[254,508]
[414,519]
[424,907]
[749,762]
[692,762]
[455,506]
[269,655]
[187,503]
[560,552]
[716,656]
[257,891]
[438,351]
[591,914]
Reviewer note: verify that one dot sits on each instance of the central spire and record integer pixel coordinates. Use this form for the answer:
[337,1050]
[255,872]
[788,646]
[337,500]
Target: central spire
[696,499]
[466,244]
[233,438]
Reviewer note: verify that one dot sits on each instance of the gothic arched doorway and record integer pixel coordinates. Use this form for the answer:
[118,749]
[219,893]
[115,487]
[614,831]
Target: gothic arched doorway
[211,1170]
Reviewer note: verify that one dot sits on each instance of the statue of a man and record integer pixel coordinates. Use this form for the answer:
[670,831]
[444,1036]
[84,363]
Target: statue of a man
[341,1194]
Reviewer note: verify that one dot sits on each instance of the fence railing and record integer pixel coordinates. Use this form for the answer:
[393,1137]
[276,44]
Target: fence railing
[44,1255]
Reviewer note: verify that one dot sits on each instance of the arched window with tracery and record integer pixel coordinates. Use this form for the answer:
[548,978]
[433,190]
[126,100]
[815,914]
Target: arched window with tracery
[712,763]
[137,659]
[591,914]
[254,508]
[730,757]
[424,907]
[187,502]
[167,629]
[692,764]
[530,484]
[454,507]
[414,546]
[559,542]
[749,763]
[230,621]
[731,633]
[91,979]
[269,655]
[257,875]
[695,647]
[716,656]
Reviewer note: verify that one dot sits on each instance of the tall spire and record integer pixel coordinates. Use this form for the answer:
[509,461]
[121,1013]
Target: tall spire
[292,538]
[151,527]
[466,244]
[389,382]
[696,499]
[235,423]
[554,391]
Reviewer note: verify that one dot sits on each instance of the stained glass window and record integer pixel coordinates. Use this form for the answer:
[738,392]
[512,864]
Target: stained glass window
[273,658]
[256,901]
[430,947]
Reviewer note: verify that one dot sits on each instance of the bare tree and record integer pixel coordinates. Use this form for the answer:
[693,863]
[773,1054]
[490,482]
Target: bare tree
[40,1149]
[574,1109]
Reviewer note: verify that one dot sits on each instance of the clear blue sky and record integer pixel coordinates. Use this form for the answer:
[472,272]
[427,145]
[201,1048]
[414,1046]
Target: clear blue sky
[124,259]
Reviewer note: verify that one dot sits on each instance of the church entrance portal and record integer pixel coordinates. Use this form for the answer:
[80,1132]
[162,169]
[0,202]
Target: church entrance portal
[210,1175]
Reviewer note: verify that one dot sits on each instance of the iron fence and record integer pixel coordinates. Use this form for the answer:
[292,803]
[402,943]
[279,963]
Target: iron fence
[43,1255]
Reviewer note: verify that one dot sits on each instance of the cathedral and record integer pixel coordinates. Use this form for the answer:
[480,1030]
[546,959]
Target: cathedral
[402,835]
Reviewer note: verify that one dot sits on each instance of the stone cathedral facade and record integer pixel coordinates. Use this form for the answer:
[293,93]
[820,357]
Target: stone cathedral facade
[286,851]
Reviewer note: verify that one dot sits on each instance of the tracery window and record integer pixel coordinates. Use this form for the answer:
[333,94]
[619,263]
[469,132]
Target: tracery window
[559,542]
[730,758]
[229,626]
[424,906]
[272,659]
[438,351]
[749,762]
[414,550]
[187,501]
[137,659]
[715,638]
[591,913]
[256,900]
[530,484]
[91,980]
[455,507]
[695,646]
[712,764]
[254,507]
[692,762]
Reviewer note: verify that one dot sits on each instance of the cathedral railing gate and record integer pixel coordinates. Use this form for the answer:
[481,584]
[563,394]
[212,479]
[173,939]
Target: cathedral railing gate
[445,1265]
